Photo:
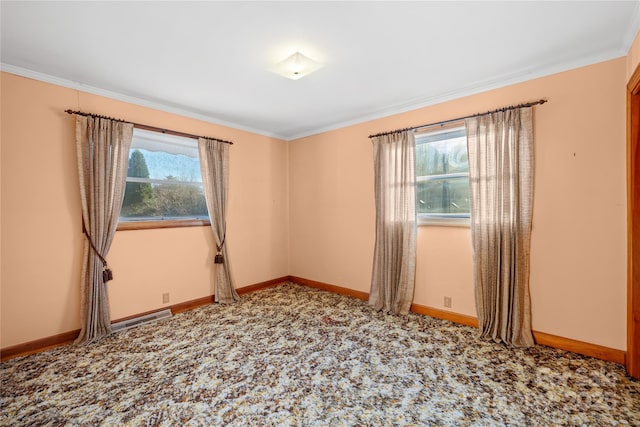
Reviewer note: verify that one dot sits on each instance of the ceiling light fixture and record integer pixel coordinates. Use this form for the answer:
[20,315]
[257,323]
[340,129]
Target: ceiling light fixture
[296,66]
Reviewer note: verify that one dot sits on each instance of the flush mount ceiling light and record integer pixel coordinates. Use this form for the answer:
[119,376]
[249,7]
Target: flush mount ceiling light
[296,66]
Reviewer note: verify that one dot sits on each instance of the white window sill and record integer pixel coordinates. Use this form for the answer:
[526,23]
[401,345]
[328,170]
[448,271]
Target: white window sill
[444,222]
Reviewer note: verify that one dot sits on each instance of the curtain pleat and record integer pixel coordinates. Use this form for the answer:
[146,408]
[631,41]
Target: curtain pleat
[394,259]
[500,147]
[103,151]
[214,164]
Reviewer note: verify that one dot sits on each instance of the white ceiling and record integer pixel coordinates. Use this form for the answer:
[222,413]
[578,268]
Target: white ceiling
[210,60]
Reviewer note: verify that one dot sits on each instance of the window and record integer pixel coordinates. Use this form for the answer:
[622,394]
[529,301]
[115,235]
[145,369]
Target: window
[164,183]
[442,175]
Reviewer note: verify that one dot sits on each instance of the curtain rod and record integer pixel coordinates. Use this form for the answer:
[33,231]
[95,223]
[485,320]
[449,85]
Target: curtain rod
[444,122]
[146,127]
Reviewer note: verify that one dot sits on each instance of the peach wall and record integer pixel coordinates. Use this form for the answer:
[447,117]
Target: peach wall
[578,273]
[1,137]
[633,57]
[316,217]
[41,231]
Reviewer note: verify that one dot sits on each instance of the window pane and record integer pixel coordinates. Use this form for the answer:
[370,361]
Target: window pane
[442,169]
[179,167]
[174,162]
[156,201]
[443,196]
[442,157]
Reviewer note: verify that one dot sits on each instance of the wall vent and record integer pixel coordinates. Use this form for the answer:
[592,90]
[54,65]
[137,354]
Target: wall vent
[147,318]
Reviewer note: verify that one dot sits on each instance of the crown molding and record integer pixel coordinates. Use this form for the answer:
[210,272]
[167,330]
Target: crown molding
[414,104]
[167,108]
[632,30]
[478,87]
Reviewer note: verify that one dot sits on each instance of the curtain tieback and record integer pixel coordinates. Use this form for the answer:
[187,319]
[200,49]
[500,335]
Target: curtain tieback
[107,274]
[219,258]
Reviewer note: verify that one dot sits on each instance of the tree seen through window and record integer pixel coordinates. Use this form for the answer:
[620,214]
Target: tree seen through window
[163,182]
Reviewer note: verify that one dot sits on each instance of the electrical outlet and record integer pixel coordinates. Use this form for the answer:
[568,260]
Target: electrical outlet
[165,298]
[447,302]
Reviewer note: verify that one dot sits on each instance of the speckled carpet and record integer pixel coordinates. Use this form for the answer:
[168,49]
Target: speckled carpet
[292,355]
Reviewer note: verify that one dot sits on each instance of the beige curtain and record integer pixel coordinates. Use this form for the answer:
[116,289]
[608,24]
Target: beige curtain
[500,149]
[103,151]
[394,259]
[214,164]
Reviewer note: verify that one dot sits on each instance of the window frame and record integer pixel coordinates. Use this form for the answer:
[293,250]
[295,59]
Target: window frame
[164,223]
[442,219]
[146,223]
